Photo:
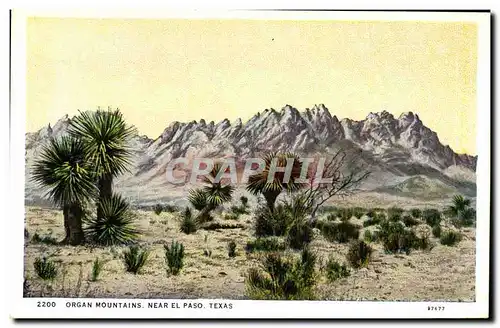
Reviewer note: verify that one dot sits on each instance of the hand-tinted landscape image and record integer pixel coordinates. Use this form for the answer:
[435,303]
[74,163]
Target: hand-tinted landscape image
[388,106]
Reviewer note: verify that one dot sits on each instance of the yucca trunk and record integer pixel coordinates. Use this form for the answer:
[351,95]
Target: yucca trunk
[271,197]
[73,214]
[105,191]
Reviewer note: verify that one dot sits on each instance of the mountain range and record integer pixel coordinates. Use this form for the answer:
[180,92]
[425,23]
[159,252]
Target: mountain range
[404,156]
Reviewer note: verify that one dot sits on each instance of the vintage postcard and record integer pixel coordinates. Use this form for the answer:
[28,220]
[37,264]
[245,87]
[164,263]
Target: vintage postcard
[250,164]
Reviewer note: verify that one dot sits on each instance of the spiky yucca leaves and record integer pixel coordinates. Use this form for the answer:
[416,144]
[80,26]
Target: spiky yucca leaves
[198,199]
[174,257]
[359,254]
[135,258]
[188,223]
[272,222]
[63,169]
[116,224]
[467,217]
[45,268]
[271,188]
[283,279]
[106,138]
[459,204]
[216,191]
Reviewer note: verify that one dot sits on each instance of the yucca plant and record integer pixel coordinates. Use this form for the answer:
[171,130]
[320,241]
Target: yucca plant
[96,269]
[45,268]
[106,138]
[459,204]
[467,217]
[135,258]
[188,223]
[432,216]
[271,188]
[299,234]
[63,169]
[115,226]
[283,279]
[198,199]
[359,254]
[272,222]
[174,257]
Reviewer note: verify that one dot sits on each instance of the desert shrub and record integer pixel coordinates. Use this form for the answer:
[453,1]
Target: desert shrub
[242,208]
[222,225]
[135,258]
[340,232]
[283,279]
[372,220]
[45,268]
[188,223]
[299,234]
[359,253]
[410,221]
[394,214]
[231,248]
[48,240]
[174,257]
[436,231]
[432,216]
[244,201]
[158,208]
[272,222]
[346,214]
[358,212]
[450,238]
[170,208]
[395,238]
[368,236]
[371,213]
[96,269]
[268,244]
[331,216]
[116,225]
[416,213]
[232,216]
[335,270]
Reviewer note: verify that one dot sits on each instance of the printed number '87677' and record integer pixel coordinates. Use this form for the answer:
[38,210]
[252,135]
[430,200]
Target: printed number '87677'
[435,308]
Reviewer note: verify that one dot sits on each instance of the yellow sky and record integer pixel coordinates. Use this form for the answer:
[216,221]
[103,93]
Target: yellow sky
[159,71]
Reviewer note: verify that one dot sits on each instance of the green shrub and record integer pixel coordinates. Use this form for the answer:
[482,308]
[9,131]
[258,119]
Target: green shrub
[450,238]
[436,231]
[158,208]
[174,257]
[115,226]
[359,254]
[244,201]
[395,238]
[283,279]
[48,240]
[335,270]
[269,244]
[272,222]
[340,232]
[372,220]
[45,268]
[222,225]
[331,217]
[371,213]
[231,248]
[232,216]
[358,212]
[432,216]
[346,214]
[410,221]
[416,213]
[394,214]
[96,269]
[368,236]
[299,234]
[135,258]
[188,224]
[170,208]
[467,217]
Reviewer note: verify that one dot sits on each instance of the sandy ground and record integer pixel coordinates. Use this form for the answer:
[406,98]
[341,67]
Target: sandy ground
[443,274]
